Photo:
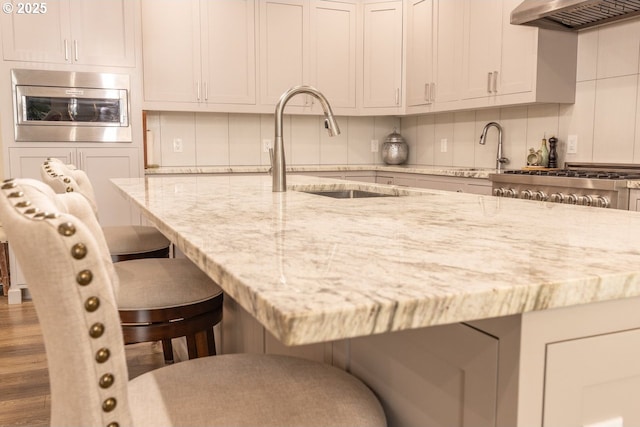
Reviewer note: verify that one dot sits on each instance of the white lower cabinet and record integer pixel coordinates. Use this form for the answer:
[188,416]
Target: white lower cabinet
[436,182]
[101,164]
[593,380]
[439,376]
[634,200]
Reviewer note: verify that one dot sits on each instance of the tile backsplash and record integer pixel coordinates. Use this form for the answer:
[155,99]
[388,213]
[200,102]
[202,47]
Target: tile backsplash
[605,120]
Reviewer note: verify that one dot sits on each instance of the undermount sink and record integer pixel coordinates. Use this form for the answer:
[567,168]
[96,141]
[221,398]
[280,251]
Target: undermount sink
[349,194]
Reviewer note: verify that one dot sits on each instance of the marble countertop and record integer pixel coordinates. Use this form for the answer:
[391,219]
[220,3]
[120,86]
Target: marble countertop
[461,172]
[312,268]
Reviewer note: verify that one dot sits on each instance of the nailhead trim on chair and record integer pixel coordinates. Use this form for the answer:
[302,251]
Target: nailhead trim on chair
[83,278]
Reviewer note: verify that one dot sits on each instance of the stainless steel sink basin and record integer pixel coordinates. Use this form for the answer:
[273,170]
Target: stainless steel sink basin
[350,194]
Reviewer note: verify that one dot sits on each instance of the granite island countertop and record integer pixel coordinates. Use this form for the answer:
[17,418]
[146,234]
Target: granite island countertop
[312,268]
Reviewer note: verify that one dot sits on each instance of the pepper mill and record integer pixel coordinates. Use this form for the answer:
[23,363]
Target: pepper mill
[553,154]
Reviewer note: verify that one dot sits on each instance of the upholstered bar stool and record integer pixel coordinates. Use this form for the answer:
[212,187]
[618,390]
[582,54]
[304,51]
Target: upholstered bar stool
[160,298]
[125,242]
[73,284]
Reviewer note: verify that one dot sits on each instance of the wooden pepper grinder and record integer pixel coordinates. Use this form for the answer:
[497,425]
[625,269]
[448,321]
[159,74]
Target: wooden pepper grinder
[553,153]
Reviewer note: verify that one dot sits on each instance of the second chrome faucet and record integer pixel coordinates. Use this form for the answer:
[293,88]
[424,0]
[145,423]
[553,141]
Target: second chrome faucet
[500,159]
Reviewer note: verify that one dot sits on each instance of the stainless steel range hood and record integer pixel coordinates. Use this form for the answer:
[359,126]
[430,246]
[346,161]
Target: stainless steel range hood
[572,14]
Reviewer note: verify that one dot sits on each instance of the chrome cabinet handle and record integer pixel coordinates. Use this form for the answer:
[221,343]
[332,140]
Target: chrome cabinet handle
[206,91]
[427,92]
[397,96]
[197,90]
[66,50]
[75,50]
[495,82]
[433,91]
[489,81]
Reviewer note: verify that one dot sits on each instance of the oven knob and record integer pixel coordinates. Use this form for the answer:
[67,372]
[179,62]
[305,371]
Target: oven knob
[509,192]
[540,195]
[557,197]
[526,194]
[601,202]
[571,199]
[498,192]
[585,200]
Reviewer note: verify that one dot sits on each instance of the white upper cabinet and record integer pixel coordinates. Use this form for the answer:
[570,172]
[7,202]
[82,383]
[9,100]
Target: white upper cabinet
[481,60]
[284,39]
[96,32]
[228,41]
[382,73]
[333,36]
[481,54]
[199,52]
[448,22]
[420,81]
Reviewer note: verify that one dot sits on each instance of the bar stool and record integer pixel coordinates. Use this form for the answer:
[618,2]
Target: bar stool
[160,298]
[72,281]
[125,242]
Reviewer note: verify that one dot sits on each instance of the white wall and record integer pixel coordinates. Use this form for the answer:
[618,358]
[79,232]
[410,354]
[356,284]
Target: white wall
[605,118]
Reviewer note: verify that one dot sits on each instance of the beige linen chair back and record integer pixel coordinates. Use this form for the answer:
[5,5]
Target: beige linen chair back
[67,271]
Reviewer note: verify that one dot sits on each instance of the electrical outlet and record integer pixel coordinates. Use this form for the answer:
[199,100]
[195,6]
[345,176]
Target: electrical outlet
[266,144]
[443,145]
[572,144]
[374,145]
[177,145]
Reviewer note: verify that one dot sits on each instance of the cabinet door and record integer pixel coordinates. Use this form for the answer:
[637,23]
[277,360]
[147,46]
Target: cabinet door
[283,49]
[333,51]
[102,164]
[228,51]
[382,54]
[519,52]
[103,32]
[448,50]
[171,50]
[592,380]
[37,37]
[419,52]
[437,376]
[26,162]
[481,52]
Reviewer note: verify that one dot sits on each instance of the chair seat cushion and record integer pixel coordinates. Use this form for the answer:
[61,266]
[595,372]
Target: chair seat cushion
[252,390]
[153,283]
[133,239]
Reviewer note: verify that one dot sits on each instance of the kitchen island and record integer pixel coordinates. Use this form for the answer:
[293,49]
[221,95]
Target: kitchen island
[365,276]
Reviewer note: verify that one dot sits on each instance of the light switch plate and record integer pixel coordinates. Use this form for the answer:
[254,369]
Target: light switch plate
[443,145]
[177,145]
[572,144]
[266,144]
[374,145]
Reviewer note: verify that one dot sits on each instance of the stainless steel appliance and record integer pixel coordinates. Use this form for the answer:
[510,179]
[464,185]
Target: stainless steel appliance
[572,14]
[601,185]
[70,106]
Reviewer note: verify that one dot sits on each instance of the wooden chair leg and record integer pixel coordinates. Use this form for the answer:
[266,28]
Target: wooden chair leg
[167,350]
[192,346]
[211,342]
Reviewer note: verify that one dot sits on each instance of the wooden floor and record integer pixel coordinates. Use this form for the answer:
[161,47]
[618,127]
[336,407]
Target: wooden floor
[24,381]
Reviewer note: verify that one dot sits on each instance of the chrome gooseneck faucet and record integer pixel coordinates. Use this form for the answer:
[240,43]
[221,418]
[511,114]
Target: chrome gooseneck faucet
[500,160]
[278,164]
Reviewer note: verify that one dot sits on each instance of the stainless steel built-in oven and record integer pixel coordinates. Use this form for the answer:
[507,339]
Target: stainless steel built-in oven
[70,106]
